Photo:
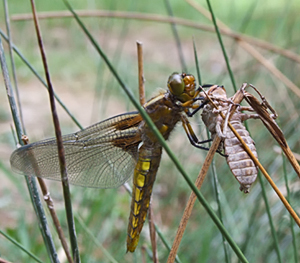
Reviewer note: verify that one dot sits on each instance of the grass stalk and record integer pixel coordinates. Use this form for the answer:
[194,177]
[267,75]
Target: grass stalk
[7,22]
[176,37]
[51,208]
[163,19]
[190,204]
[31,183]
[217,194]
[92,237]
[197,63]
[240,95]
[155,131]
[268,210]
[222,45]
[20,246]
[141,72]
[245,44]
[62,161]
[295,248]
[142,102]
[34,71]
[177,259]
[213,167]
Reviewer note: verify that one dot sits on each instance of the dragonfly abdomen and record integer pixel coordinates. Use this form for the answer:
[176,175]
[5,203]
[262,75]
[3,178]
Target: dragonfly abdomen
[144,177]
[240,163]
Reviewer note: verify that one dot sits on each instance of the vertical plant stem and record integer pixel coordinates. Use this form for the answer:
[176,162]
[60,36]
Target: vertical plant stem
[142,102]
[217,193]
[273,231]
[94,239]
[160,138]
[176,36]
[152,235]
[62,161]
[264,194]
[222,45]
[20,246]
[295,248]
[12,60]
[31,183]
[190,204]
[197,63]
[50,205]
[213,166]
[141,73]
[18,52]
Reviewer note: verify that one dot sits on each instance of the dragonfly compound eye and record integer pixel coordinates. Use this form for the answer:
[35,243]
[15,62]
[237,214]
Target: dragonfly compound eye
[189,83]
[176,84]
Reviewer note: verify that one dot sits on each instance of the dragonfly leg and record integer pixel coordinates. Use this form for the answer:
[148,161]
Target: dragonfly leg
[190,114]
[193,138]
[245,108]
[245,116]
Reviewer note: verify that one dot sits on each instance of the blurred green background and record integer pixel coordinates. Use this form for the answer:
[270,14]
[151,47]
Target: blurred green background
[88,89]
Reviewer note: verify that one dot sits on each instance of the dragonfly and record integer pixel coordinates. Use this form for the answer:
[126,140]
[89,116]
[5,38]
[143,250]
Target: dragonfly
[107,154]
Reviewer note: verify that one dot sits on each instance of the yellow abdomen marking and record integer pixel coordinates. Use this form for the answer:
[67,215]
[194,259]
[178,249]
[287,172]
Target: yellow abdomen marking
[138,194]
[145,164]
[163,129]
[143,167]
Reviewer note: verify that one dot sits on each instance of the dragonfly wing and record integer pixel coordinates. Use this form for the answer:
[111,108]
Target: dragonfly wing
[103,155]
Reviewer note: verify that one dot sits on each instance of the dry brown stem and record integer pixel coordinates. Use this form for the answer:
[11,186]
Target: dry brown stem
[50,205]
[141,72]
[190,204]
[164,19]
[245,44]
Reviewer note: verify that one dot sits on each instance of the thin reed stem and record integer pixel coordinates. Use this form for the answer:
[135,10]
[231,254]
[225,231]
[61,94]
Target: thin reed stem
[7,22]
[222,45]
[50,205]
[257,163]
[31,183]
[62,161]
[20,246]
[141,72]
[176,37]
[161,140]
[268,210]
[295,247]
[34,71]
[163,19]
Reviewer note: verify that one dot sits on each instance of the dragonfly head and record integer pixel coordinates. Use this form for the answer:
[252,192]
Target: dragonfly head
[182,86]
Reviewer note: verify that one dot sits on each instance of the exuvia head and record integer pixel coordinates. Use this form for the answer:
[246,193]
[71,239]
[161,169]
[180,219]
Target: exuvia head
[182,86]
[217,91]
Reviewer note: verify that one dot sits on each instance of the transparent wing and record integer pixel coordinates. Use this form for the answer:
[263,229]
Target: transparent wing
[103,155]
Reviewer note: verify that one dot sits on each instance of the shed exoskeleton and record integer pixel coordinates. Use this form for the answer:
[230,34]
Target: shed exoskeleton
[240,163]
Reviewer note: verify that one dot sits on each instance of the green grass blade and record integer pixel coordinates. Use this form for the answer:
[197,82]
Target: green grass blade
[7,22]
[295,249]
[20,246]
[167,245]
[31,183]
[34,71]
[176,36]
[94,239]
[59,142]
[197,63]
[213,165]
[154,129]
[217,194]
[274,235]
[222,45]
